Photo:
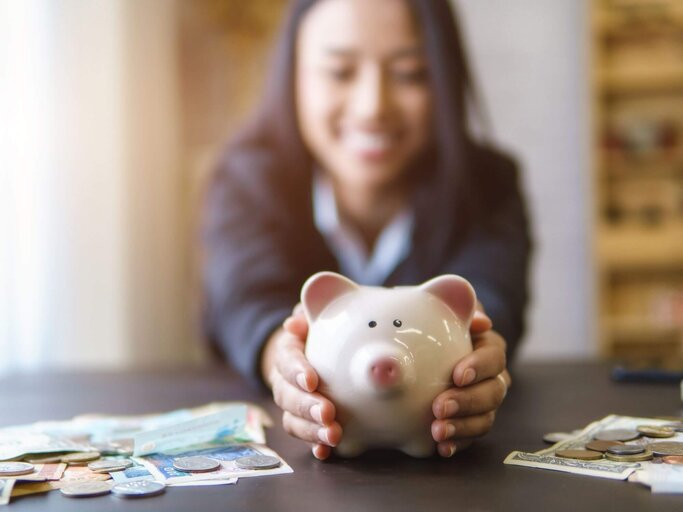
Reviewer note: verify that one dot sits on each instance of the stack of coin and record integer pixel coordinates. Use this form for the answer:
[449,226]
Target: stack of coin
[138,489]
[258,461]
[196,464]
[628,453]
[86,489]
[109,465]
[80,458]
[8,469]
[656,431]
[579,454]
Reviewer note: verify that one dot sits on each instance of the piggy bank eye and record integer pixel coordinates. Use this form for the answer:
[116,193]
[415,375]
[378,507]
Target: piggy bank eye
[398,323]
[372,323]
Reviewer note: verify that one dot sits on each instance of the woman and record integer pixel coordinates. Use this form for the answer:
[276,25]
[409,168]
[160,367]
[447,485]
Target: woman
[359,161]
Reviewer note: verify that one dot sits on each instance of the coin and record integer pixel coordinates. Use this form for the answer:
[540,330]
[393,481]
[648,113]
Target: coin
[655,431]
[138,489]
[258,461]
[80,457]
[579,454]
[86,489]
[663,448]
[601,446]
[556,437]
[196,464]
[638,457]
[625,449]
[677,426]
[109,465]
[673,459]
[15,468]
[51,459]
[619,434]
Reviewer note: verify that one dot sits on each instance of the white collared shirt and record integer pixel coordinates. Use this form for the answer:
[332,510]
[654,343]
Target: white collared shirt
[391,247]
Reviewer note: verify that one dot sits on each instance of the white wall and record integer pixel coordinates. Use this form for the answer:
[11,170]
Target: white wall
[530,57]
[95,273]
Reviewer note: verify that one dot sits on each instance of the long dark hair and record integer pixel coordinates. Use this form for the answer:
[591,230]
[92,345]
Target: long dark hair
[274,129]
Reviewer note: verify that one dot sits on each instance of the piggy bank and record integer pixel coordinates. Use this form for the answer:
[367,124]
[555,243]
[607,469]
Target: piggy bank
[384,354]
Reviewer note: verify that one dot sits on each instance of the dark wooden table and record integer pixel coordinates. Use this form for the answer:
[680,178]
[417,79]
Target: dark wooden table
[545,398]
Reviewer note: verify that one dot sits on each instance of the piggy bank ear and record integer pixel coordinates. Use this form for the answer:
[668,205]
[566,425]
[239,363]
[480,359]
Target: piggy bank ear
[322,288]
[457,293]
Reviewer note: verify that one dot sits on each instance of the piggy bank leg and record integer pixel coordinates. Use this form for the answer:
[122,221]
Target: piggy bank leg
[419,447]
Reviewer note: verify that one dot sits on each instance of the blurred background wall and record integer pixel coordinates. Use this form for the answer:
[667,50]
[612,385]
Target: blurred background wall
[115,110]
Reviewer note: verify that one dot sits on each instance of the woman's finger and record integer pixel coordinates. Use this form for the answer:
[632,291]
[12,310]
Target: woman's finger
[297,325]
[479,398]
[485,361]
[321,451]
[480,323]
[292,364]
[310,406]
[329,435]
[459,428]
[451,447]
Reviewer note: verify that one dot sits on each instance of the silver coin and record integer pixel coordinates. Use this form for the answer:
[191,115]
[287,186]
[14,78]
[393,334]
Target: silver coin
[619,434]
[556,437]
[15,468]
[258,461]
[663,448]
[86,489]
[138,489]
[625,449]
[196,464]
[107,465]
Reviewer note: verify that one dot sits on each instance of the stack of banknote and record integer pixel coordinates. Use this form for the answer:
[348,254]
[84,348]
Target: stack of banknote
[135,456]
[648,451]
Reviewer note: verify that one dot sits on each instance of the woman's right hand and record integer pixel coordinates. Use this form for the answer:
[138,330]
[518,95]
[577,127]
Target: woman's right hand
[306,413]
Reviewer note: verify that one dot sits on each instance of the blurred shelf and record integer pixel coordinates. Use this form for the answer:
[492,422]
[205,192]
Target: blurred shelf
[641,81]
[630,246]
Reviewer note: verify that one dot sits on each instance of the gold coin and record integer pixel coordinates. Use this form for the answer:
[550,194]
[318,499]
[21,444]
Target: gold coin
[655,431]
[673,459]
[639,457]
[80,457]
[601,446]
[579,454]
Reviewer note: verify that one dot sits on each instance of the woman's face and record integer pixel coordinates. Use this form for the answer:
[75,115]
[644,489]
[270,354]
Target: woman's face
[363,100]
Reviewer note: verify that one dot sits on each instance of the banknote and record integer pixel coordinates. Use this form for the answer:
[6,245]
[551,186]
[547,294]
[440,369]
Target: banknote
[131,474]
[218,425]
[6,486]
[44,472]
[160,465]
[26,488]
[15,443]
[546,459]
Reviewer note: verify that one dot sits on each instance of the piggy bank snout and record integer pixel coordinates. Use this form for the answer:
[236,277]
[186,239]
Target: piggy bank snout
[385,372]
[378,368]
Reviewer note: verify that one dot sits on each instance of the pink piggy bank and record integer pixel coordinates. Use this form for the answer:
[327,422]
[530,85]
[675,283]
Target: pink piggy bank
[384,354]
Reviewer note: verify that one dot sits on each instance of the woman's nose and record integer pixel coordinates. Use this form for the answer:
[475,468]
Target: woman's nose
[370,99]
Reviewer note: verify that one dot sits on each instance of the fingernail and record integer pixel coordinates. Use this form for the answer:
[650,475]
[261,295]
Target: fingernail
[450,407]
[450,430]
[448,451]
[468,377]
[301,381]
[323,436]
[317,413]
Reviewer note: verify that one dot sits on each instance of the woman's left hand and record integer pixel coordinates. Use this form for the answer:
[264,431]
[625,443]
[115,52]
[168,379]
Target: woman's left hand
[481,381]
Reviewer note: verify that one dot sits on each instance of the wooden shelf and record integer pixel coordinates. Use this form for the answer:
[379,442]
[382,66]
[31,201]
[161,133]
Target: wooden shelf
[640,81]
[627,247]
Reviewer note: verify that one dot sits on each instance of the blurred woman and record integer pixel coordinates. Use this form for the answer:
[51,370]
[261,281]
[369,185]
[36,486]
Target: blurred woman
[359,160]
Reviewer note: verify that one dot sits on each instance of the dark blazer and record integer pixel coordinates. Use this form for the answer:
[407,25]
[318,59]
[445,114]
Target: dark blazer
[261,244]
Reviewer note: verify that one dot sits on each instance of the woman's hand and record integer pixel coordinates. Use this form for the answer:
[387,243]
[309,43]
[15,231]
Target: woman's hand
[306,414]
[481,381]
